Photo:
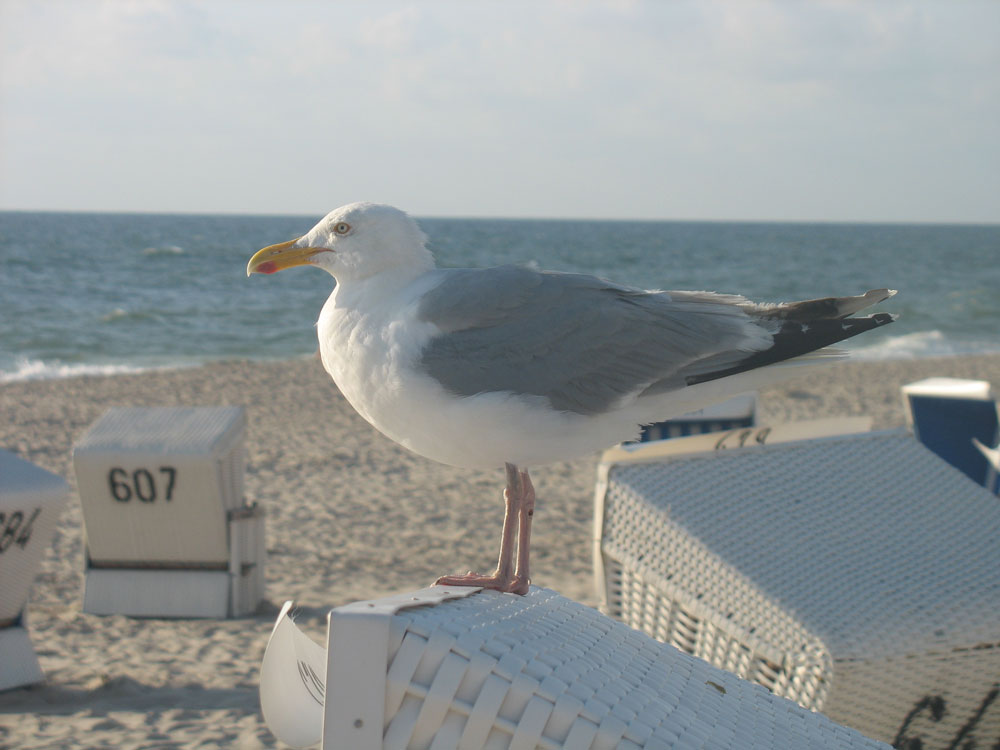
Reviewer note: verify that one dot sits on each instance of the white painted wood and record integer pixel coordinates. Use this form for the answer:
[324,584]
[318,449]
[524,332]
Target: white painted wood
[157,593]
[18,663]
[233,591]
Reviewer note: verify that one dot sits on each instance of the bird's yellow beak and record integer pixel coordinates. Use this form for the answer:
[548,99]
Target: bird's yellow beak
[274,258]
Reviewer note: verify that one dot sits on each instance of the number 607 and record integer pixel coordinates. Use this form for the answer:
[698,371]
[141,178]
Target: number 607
[141,483]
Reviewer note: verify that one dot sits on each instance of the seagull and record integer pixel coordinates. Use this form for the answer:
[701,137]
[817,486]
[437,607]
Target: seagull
[483,367]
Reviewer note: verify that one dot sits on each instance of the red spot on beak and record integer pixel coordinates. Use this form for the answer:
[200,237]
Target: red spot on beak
[268,266]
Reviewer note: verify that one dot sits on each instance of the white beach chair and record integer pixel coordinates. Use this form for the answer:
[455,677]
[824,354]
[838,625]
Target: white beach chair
[449,668]
[31,500]
[950,416]
[168,532]
[856,574]
[737,412]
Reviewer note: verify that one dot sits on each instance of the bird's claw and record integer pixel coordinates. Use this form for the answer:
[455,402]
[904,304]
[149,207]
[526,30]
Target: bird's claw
[509,585]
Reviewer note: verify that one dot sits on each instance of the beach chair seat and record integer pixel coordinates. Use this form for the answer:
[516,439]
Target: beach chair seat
[855,574]
[951,415]
[737,412]
[449,667]
[168,531]
[31,500]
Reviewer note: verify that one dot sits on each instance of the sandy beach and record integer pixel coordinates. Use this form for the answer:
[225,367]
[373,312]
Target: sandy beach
[350,515]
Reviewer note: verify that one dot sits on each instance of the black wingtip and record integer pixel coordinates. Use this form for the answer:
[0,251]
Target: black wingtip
[796,338]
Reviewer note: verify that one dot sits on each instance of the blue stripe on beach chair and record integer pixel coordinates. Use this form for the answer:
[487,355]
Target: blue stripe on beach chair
[947,426]
[674,428]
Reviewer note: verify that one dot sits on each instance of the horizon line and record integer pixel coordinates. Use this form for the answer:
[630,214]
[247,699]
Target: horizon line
[480,217]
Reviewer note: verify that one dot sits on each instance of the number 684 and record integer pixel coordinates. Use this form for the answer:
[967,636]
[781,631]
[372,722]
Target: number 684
[141,483]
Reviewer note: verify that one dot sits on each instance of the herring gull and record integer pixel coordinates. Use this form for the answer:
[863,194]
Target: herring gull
[510,366]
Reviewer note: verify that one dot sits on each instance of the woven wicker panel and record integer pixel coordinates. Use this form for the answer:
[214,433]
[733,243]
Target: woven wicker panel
[169,430]
[499,671]
[791,664]
[818,559]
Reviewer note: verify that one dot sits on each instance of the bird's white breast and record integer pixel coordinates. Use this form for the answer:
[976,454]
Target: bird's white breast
[367,349]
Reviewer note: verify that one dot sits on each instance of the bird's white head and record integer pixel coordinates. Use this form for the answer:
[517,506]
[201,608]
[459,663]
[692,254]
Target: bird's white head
[352,242]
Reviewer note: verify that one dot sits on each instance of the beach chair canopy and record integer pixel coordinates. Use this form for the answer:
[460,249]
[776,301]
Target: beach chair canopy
[856,574]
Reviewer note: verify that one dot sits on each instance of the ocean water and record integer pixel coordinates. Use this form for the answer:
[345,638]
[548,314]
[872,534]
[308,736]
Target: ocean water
[105,293]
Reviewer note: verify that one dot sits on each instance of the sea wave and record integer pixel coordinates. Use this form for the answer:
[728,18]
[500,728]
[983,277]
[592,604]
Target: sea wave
[920,344]
[120,313]
[165,250]
[36,369]
[917,345]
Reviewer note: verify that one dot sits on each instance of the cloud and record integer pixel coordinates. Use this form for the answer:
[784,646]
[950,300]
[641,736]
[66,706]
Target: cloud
[707,108]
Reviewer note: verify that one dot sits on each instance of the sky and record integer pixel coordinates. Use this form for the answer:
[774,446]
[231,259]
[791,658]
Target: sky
[844,110]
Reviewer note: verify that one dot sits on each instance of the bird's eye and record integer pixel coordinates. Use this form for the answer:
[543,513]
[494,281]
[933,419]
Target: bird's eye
[342,227]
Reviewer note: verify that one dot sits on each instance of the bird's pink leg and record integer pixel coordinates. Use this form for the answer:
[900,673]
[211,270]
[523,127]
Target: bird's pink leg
[524,517]
[506,578]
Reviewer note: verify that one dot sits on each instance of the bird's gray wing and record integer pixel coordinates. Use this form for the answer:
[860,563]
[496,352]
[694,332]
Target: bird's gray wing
[578,341]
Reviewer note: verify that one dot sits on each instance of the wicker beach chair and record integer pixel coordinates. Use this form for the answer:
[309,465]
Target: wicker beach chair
[168,531]
[954,417]
[31,500]
[448,668]
[857,575]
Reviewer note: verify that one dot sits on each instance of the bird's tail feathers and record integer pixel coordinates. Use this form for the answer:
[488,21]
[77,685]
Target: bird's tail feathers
[827,308]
